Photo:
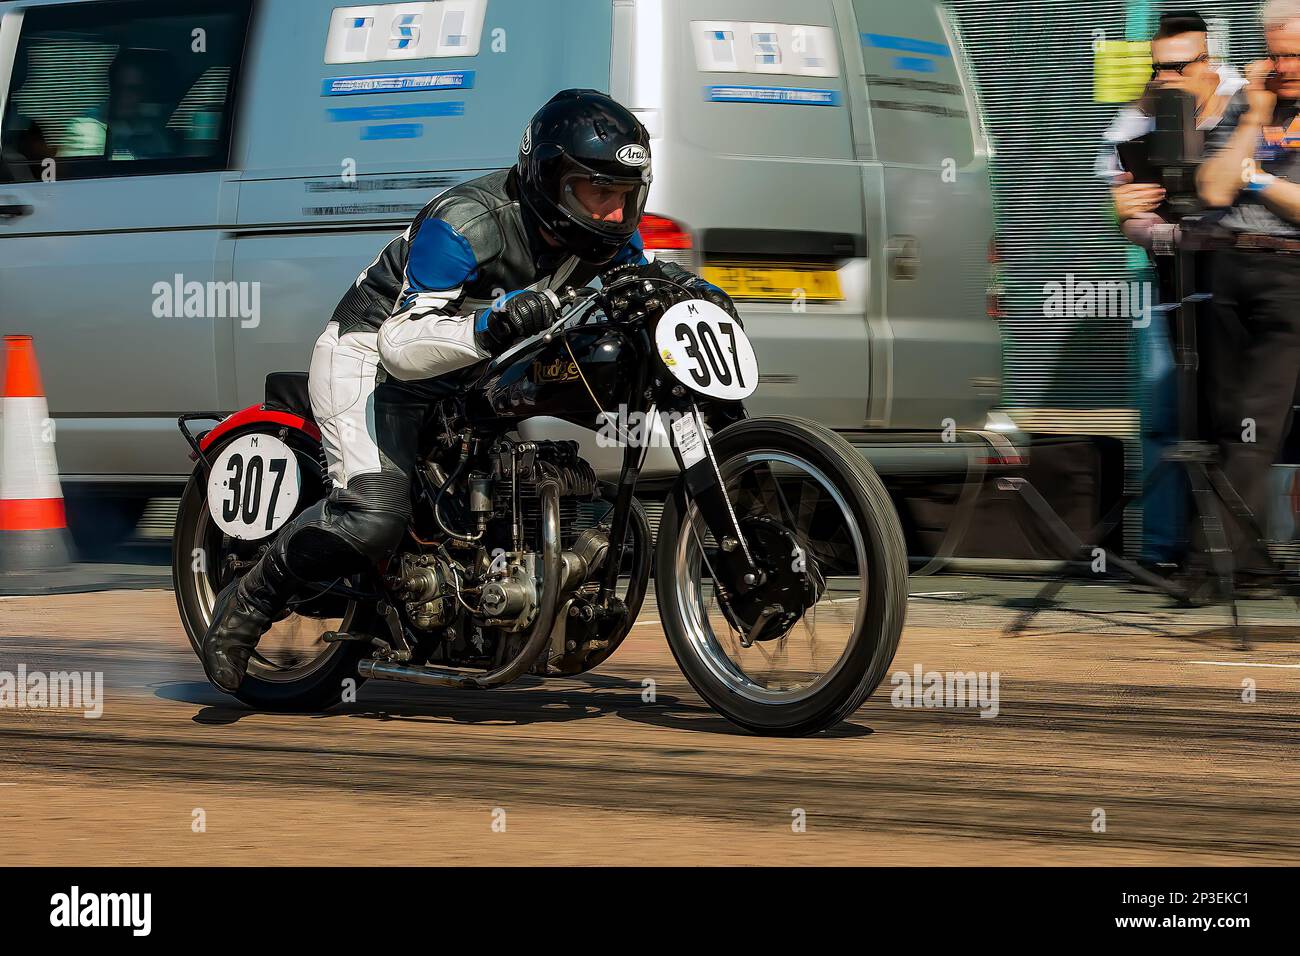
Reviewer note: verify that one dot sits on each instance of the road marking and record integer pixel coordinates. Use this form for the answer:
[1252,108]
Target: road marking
[1244,664]
[938,594]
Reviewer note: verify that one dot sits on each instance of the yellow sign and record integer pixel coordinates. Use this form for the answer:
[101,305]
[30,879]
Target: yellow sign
[774,282]
[1121,70]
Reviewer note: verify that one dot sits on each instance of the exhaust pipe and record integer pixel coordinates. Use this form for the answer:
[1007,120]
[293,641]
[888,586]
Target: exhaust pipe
[538,637]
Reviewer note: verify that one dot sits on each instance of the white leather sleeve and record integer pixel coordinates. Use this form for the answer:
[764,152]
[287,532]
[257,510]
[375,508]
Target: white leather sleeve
[416,344]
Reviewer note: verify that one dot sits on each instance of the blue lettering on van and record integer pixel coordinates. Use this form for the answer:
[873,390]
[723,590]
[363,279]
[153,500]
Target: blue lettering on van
[393,131]
[354,114]
[916,64]
[884,41]
[795,95]
[397,83]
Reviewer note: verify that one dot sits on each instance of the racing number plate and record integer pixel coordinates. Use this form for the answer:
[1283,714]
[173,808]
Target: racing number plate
[706,350]
[253,487]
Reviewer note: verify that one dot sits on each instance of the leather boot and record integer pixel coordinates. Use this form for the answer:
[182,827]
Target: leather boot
[244,612]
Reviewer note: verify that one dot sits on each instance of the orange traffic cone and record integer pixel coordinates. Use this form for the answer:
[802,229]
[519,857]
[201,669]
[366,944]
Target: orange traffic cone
[33,524]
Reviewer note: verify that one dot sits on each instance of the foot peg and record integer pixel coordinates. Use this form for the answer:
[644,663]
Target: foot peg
[337,637]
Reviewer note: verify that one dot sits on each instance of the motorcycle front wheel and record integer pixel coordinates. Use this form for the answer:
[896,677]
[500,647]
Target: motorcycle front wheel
[804,498]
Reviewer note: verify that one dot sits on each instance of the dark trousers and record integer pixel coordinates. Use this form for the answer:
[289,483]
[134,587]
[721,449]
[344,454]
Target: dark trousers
[1252,376]
[1166,505]
[356,527]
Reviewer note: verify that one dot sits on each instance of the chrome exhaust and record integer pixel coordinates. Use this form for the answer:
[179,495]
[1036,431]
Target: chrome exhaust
[538,636]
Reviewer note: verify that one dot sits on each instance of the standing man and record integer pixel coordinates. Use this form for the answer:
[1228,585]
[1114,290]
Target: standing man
[1254,174]
[1180,59]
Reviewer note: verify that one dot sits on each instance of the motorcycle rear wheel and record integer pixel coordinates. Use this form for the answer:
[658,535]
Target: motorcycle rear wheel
[309,675]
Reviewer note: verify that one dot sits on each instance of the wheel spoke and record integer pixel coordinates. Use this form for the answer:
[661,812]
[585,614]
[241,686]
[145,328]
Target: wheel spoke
[800,499]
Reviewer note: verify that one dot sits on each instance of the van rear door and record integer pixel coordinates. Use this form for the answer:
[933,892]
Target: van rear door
[756,183]
[929,206]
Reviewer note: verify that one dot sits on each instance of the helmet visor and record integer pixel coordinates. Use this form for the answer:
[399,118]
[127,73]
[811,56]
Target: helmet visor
[603,203]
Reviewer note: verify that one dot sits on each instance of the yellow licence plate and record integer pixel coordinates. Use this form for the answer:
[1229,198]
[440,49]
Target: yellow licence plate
[774,283]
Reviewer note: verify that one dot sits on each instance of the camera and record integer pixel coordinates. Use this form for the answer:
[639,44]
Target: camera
[1175,149]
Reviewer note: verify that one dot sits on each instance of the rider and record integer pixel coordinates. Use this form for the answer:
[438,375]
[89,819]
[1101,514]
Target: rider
[432,302]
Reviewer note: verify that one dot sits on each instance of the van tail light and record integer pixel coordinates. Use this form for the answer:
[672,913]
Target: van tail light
[993,297]
[660,232]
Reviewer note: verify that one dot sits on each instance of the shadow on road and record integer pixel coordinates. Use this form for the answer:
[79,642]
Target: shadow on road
[528,701]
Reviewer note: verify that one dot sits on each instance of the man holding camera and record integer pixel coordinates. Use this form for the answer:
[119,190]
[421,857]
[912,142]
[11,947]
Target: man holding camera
[1180,60]
[1253,173]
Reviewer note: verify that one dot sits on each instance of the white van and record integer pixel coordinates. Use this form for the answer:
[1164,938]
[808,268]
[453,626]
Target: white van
[188,186]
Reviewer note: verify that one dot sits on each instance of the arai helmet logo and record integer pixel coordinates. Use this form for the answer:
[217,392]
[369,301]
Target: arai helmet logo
[526,146]
[633,154]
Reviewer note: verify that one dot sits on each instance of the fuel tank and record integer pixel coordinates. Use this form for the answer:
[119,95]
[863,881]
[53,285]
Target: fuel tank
[579,386]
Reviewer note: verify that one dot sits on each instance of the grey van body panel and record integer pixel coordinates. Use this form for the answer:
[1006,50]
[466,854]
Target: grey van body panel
[311,197]
[715,165]
[938,354]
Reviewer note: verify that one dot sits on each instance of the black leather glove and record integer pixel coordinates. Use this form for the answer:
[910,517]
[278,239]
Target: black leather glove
[521,315]
[700,287]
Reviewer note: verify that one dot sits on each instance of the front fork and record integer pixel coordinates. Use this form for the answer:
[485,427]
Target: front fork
[702,481]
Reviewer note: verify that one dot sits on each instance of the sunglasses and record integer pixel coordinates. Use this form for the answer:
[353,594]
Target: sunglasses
[1177,66]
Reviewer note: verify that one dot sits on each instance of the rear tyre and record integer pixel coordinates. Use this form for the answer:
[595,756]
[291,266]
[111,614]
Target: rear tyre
[804,478]
[309,674]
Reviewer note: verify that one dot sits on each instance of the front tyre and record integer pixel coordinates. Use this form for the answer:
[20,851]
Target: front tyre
[806,500]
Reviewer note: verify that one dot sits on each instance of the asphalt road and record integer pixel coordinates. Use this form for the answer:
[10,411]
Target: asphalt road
[1124,712]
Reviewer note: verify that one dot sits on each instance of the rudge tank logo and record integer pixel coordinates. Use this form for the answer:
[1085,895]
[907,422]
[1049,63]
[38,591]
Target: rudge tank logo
[556,370]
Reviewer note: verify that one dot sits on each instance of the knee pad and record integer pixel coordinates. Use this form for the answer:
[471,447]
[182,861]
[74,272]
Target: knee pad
[351,530]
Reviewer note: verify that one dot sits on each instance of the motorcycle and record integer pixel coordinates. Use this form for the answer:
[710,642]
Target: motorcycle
[780,572]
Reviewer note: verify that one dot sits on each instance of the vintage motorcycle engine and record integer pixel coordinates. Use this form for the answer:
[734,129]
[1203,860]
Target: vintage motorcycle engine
[519,468]
[489,582]
[512,492]
[425,583]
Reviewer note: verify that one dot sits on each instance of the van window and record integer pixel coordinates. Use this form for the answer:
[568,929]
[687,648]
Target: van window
[919,109]
[122,89]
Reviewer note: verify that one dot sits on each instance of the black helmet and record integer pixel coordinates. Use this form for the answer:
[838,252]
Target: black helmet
[584,135]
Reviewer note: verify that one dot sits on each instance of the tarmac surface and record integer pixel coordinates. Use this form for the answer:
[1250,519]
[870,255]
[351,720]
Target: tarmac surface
[1125,731]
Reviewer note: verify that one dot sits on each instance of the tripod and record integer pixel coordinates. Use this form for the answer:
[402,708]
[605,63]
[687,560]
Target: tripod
[1199,460]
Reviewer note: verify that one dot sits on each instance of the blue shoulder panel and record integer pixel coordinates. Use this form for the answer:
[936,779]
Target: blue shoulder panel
[439,258]
[633,251]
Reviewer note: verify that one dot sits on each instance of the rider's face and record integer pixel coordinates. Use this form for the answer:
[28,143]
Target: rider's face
[603,203]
